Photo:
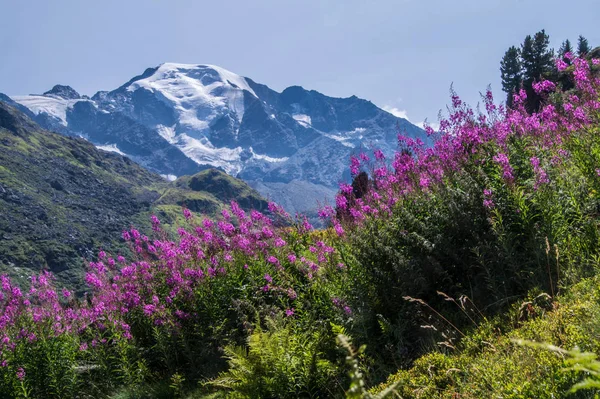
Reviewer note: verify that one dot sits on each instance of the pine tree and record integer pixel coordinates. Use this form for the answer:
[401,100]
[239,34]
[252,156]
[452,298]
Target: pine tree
[511,74]
[583,47]
[565,48]
[537,60]
[565,79]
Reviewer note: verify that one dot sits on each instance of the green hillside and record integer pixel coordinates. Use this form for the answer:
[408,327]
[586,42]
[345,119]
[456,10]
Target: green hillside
[61,199]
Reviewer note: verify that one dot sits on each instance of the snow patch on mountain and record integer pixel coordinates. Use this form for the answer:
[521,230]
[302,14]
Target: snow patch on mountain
[111,148]
[167,133]
[341,139]
[54,106]
[303,119]
[267,158]
[203,152]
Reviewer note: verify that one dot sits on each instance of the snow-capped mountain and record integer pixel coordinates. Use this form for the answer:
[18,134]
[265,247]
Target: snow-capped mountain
[176,119]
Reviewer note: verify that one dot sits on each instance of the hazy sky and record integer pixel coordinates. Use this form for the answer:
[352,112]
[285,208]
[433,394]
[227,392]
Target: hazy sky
[401,54]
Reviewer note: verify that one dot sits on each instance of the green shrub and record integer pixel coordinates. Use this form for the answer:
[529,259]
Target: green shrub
[280,362]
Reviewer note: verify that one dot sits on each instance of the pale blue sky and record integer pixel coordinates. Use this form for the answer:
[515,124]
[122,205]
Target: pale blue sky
[402,54]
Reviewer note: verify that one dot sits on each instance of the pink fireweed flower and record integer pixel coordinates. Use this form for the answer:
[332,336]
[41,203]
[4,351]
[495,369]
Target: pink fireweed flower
[256,216]
[356,214]
[339,230]
[289,312]
[237,211]
[273,260]
[346,188]
[341,202]
[579,113]
[306,225]
[545,86]
[20,373]
[487,201]
[326,212]
[540,174]
[93,280]
[149,309]
[267,232]
[226,228]
[155,223]
[187,213]
[379,155]
[226,214]
[502,160]
[354,165]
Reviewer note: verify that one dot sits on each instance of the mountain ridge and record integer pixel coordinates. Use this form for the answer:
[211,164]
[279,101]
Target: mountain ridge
[176,119]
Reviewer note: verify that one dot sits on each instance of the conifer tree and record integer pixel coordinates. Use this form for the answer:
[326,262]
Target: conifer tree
[511,73]
[583,47]
[538,63]
[565,48]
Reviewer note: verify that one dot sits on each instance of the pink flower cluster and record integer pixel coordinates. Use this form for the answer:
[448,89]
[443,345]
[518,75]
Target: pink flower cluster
[469,138]
[160,285]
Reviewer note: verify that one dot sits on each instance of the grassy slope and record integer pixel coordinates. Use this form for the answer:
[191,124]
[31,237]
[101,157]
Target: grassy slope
[489,364]
[61,198]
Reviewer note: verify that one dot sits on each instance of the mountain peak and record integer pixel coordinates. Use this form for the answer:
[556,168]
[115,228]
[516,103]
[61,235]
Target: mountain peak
[190,76]
[63,91]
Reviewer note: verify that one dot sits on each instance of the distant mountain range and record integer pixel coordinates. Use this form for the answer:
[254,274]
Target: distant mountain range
[177,119]
[62,199]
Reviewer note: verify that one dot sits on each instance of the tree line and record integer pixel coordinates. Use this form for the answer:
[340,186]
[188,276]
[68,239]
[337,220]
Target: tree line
[533,61]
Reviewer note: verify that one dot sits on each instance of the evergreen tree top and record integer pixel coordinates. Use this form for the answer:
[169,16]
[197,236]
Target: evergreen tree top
[583,47]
